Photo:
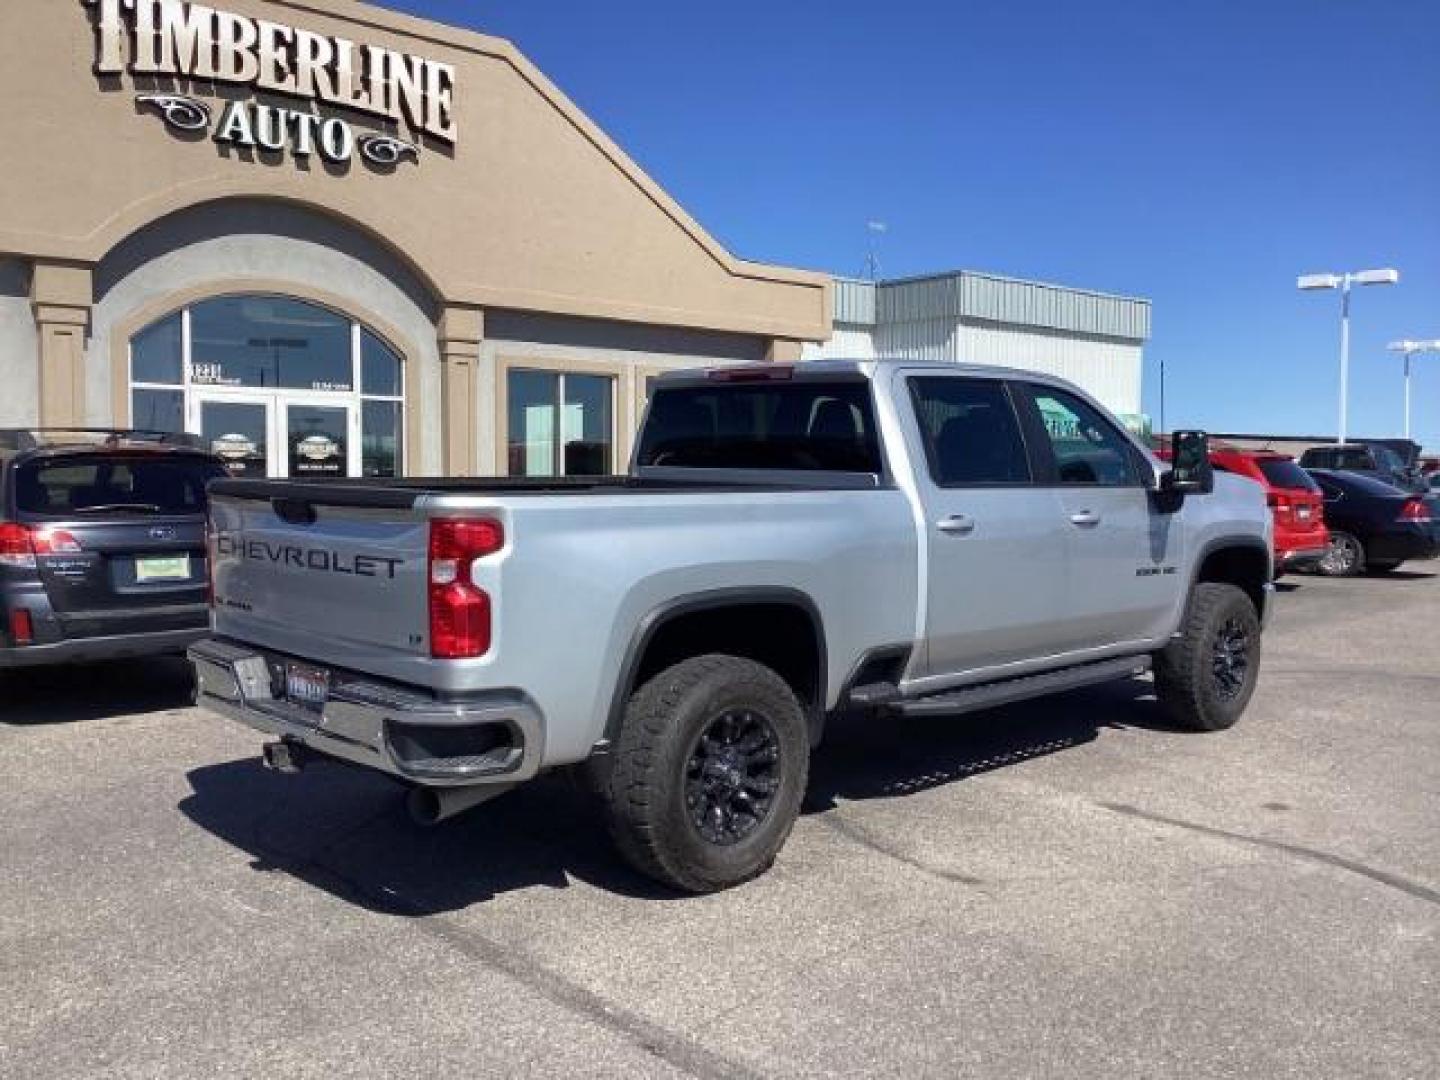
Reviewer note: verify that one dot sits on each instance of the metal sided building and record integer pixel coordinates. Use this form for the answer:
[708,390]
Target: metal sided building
[1095,340]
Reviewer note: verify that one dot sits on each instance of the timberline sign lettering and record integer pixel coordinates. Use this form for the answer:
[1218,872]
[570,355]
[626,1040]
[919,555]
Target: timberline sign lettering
[182,40]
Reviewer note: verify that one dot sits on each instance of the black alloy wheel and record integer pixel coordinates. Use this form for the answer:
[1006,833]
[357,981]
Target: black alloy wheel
[732,776]
[1230,659]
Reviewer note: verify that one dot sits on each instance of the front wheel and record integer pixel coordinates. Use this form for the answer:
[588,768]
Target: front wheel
[1206,677]
[708,773]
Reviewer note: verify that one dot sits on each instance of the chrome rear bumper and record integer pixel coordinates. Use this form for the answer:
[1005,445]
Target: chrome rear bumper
[493,738]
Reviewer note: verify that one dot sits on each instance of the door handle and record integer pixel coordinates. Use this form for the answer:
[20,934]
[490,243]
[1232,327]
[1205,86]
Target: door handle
[1085,519]
[956,525]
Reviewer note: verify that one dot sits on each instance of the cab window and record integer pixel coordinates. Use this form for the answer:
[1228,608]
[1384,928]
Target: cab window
[971,432]
[1088,449]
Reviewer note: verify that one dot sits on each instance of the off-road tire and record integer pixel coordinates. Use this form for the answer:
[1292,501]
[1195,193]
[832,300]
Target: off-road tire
[649,814]
[1352,564]
[1188,679]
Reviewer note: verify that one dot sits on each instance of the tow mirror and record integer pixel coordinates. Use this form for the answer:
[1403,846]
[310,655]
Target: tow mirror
[1190,470]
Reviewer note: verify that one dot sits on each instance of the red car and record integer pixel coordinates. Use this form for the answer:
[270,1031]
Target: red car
[1296,502]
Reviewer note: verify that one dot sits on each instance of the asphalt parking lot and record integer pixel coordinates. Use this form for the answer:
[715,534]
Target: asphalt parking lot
[1065,888]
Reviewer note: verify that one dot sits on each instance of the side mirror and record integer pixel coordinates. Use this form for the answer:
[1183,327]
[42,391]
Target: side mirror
[1190,470]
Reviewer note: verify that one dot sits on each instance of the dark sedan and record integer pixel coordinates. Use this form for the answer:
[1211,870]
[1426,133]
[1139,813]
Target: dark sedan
[1374,526]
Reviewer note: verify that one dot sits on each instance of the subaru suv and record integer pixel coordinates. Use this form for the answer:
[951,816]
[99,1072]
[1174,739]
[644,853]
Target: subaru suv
[102,544]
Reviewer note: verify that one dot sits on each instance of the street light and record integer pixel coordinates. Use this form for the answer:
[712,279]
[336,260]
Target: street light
[1343,282]
[1411,349]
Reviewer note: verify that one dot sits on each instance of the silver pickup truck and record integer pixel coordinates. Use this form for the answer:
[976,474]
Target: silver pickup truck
[790,542]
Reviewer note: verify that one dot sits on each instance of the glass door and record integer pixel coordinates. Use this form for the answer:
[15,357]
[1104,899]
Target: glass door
[321,439]
[237,429]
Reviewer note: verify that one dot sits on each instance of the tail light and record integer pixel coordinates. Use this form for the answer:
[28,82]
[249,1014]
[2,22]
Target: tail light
[54,542]
[22,630]
[17,549]
[459,609]
[755,373]
[19,544]
[1415,512]
[1281,504]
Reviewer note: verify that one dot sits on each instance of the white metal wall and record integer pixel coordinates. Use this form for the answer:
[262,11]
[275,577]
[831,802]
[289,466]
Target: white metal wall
[1109,370]
[847,343]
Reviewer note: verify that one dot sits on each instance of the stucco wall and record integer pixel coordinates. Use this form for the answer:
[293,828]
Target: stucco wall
[19,372]
[534,208]
[268,245]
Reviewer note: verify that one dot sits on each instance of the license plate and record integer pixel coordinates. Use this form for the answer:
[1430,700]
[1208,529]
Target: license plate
[162,568]
[306,686]
[1303,513]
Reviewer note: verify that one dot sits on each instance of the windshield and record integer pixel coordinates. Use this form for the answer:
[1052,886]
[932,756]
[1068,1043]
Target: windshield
[86,485]
[1284,473]
[827,426]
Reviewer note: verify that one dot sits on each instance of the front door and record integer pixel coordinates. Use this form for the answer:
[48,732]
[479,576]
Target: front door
[277,434]
[1124,553]
[998,565]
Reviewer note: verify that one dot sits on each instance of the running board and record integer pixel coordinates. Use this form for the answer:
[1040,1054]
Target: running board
[990,695]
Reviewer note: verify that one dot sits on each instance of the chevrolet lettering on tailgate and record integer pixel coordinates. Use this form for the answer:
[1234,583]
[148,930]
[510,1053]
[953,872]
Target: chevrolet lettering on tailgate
[232,545]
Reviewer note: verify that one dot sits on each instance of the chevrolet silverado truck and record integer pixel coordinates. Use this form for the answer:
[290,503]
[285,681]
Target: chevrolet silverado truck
[790,542]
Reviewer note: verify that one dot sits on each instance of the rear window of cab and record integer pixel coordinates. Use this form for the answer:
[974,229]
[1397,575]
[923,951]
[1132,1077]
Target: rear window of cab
[87,485]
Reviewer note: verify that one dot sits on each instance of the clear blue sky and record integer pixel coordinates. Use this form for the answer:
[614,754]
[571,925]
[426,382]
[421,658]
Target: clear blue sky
[1198,152]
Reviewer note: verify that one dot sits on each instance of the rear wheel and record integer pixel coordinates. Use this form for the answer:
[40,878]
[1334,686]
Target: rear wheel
[1206,677]
[708,773]
[1344,557]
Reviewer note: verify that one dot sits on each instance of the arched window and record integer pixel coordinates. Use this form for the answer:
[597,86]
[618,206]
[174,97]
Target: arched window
[275,385]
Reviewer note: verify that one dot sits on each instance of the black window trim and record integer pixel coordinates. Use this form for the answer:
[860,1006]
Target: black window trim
[1032,460]
[1049,477]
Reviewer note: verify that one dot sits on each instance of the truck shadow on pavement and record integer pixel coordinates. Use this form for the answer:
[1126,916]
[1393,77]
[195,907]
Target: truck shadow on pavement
[345,830]
[72,693]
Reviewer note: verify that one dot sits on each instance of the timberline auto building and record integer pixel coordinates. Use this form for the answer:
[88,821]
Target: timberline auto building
[331,239]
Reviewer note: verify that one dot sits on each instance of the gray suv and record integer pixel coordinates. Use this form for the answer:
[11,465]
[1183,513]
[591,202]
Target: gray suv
[102,544]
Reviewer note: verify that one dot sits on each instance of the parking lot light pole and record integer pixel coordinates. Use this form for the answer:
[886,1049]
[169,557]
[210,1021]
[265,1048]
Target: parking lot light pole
[1410,350]
[1343,282]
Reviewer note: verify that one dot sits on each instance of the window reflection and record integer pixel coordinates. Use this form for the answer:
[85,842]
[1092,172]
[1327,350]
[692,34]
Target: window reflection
[560,424]
[270,341]
[286,351]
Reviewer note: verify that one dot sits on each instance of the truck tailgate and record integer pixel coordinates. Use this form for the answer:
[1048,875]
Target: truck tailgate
[345,585]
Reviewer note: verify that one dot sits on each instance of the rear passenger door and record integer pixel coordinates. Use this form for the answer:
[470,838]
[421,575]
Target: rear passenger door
[996,557]
[1124,554]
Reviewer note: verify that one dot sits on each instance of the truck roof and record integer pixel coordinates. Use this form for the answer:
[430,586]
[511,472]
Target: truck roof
[866,367]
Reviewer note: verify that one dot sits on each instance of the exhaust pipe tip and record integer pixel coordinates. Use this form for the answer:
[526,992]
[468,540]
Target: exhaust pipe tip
[430,806]
[423,806]
[283,757]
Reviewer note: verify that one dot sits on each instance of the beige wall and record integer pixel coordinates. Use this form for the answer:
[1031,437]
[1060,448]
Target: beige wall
[534,223]
[534,209]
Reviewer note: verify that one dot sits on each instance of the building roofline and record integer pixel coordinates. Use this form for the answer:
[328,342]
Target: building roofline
[1005,278]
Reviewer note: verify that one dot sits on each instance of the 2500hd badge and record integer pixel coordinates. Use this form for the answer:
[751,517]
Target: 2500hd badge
[232,545]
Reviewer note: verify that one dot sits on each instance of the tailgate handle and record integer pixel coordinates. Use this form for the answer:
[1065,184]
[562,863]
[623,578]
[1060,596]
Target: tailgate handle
[294,511]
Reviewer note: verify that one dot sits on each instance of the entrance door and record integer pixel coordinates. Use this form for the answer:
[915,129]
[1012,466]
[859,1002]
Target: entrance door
[321,439]
[236,428]
[279,435]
